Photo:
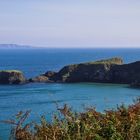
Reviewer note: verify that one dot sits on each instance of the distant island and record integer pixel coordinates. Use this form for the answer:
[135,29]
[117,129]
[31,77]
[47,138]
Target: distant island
[14,46]
[103,71]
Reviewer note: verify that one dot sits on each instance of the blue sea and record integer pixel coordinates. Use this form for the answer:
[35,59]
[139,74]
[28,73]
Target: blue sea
[42,99]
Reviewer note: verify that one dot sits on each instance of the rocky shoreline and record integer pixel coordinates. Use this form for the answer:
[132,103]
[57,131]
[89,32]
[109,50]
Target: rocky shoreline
[104,71]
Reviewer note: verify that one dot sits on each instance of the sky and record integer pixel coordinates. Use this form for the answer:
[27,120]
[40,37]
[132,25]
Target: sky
[70,23]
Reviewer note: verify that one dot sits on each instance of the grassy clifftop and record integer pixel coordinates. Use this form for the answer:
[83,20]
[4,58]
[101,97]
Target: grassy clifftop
[10,71]
[115,60]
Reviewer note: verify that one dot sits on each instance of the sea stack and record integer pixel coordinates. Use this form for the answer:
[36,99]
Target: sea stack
[12,77]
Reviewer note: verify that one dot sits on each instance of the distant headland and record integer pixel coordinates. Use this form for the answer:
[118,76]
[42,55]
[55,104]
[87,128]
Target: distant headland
[102,71]
[14,46]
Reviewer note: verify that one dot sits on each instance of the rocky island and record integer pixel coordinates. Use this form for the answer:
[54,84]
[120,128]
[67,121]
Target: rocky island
[97,71]
[12,77]
[104,71]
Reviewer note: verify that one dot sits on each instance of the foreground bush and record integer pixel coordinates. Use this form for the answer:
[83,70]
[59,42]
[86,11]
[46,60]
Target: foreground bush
[120,124]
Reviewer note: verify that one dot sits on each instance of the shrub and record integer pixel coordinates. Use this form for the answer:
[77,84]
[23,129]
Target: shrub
[120,124]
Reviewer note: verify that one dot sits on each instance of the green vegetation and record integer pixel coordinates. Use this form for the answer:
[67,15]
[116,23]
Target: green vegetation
[120,124]
[10,71]
[114,60]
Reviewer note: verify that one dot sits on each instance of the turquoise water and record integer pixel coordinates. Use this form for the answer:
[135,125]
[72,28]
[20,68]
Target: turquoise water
[41,99]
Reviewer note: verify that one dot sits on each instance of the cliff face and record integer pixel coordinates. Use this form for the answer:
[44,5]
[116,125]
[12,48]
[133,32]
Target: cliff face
[11,77]
[104,71]
[84,73]
[98,71]
[127,73]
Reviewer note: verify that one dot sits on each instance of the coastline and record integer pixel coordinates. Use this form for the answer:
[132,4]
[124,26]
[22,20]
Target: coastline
[111,70]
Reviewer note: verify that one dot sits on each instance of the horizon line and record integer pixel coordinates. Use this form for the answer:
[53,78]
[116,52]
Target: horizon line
[14,45]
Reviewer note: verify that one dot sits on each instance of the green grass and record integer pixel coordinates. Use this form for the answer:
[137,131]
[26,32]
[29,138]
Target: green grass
[106,61]
[114,60]
[10,71]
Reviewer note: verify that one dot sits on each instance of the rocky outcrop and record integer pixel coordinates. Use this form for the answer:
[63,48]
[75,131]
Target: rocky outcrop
[127,73]
[12,77]
[39,79]
[44,78]
[104,71]
[98,71]
[135,84]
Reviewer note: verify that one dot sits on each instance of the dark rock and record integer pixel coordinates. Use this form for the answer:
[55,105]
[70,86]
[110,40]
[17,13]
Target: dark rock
[135,84]
[98,71]
[47,77]
[12,77]
[126,73]
[104,71]
[50,74]
[39,79]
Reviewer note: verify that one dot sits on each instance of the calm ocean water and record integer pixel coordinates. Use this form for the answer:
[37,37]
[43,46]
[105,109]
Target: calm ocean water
[42,98]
